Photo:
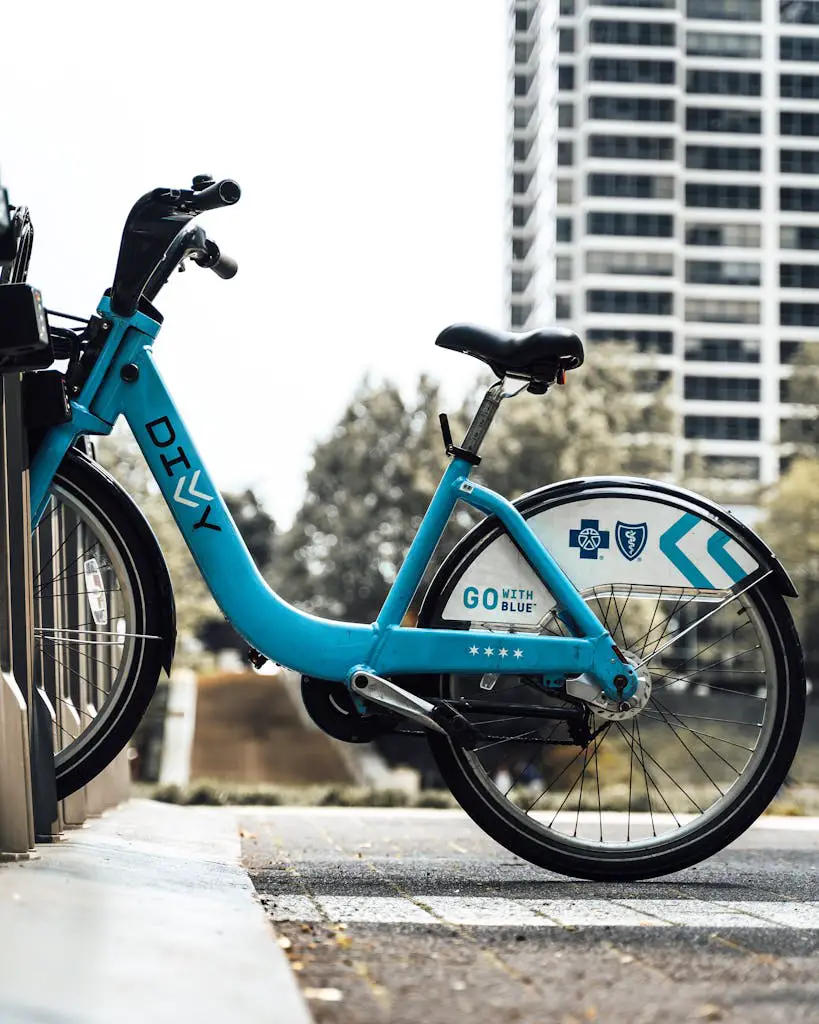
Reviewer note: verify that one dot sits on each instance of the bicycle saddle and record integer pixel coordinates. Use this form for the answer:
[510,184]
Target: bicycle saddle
[538,356]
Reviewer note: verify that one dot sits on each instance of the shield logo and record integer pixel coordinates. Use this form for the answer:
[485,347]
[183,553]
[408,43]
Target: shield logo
[631,539]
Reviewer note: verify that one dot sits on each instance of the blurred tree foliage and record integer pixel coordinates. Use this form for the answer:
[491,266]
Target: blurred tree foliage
[791,527]
[791,521]
[373,478]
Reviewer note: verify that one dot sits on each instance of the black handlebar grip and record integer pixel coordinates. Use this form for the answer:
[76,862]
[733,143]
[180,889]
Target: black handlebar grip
[225,267]
[221,193]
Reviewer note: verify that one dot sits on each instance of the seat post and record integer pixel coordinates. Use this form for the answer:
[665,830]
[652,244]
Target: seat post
[480,425]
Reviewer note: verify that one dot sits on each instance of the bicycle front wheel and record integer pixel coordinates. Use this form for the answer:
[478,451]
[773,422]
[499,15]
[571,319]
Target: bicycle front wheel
[102,622]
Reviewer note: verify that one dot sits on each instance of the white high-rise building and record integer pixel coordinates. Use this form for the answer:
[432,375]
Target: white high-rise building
[686,203]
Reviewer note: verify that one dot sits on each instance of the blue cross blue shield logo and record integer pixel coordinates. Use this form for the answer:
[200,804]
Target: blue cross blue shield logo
[589,538]
[631,539]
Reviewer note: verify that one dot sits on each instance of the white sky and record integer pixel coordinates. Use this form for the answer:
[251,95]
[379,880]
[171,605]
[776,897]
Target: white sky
[369,141]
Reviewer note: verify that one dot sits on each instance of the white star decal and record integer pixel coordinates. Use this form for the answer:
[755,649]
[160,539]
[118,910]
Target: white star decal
[473,650]
[518,652]
[503,652]
[488,650]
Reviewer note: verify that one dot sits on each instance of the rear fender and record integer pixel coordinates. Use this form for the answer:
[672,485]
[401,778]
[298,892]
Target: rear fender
[601,531]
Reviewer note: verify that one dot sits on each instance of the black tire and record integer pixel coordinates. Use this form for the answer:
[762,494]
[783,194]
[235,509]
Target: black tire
[99,672]
[498,814]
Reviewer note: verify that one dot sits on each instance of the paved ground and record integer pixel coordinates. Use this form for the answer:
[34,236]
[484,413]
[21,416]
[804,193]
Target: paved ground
[144,915]
[409,916]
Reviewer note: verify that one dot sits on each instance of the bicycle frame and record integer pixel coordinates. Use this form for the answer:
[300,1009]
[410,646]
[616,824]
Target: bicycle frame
[125,382]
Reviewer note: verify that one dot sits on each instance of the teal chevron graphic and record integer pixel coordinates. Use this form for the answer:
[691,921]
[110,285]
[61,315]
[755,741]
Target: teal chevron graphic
[668,545]
[716,549]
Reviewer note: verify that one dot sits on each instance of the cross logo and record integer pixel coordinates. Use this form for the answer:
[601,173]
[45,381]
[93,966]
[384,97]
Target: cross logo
[589,538]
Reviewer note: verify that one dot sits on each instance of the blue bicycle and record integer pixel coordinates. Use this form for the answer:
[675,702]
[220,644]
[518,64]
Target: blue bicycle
[605,670]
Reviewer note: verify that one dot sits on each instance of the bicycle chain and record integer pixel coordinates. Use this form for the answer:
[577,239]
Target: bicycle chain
[490,736]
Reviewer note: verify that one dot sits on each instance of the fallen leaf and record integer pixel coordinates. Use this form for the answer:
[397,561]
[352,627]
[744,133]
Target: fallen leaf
[284,942]
[709,1011]
[627,959]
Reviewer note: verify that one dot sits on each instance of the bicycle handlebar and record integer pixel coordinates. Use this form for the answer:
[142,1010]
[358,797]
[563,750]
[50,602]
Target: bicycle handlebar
[156,239]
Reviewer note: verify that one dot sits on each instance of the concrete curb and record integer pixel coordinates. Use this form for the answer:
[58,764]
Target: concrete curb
[144,914]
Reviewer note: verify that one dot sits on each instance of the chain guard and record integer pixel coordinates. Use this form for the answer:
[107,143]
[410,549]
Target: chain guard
[331,707]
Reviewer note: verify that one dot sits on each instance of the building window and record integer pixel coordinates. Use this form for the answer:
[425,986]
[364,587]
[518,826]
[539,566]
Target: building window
[799,12]
[648,264]
[519,315]
[523,83]
[567,6]
[727,10]
[565,38]
[789,351]
[720,119]
[728,197]
[647,72]
[721,311]
[630,108]
[651,342]
[797,430]
[723,158]
[722,428]
[524,52]
[722,350]
[631,186]
[649,225]
[524,19]
[521,149]
[523,115]
[563,268]
[565,190]
[799,314]
[633,303]
[521,182]
[792,237]
[802,199]
[723,44]
[563,229]
[563,307]
[521,214]
[632,33]
[565,115]
[744,236]
[802,48]
[724,467]
[799,87]
[521,279]
[797,122]
[565,77]
[724,83]
[565,154]
[723,389]
[631,147]
[799,275]
[521,247]
[799,161]
[727,272]
[665,5]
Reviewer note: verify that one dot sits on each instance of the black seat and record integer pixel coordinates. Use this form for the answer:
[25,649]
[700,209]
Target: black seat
[539,356]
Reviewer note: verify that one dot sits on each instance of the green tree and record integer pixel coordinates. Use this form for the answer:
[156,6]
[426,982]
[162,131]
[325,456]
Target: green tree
[791,527]
[367,490]
[373,478]
[597,424]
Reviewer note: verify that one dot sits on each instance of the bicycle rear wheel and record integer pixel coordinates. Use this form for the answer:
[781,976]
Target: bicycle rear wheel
[101,619]
[658,791]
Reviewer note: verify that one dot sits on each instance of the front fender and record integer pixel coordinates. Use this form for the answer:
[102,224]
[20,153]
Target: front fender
[645,532]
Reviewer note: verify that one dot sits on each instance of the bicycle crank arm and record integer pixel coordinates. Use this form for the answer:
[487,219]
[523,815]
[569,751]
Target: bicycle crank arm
[440,718]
